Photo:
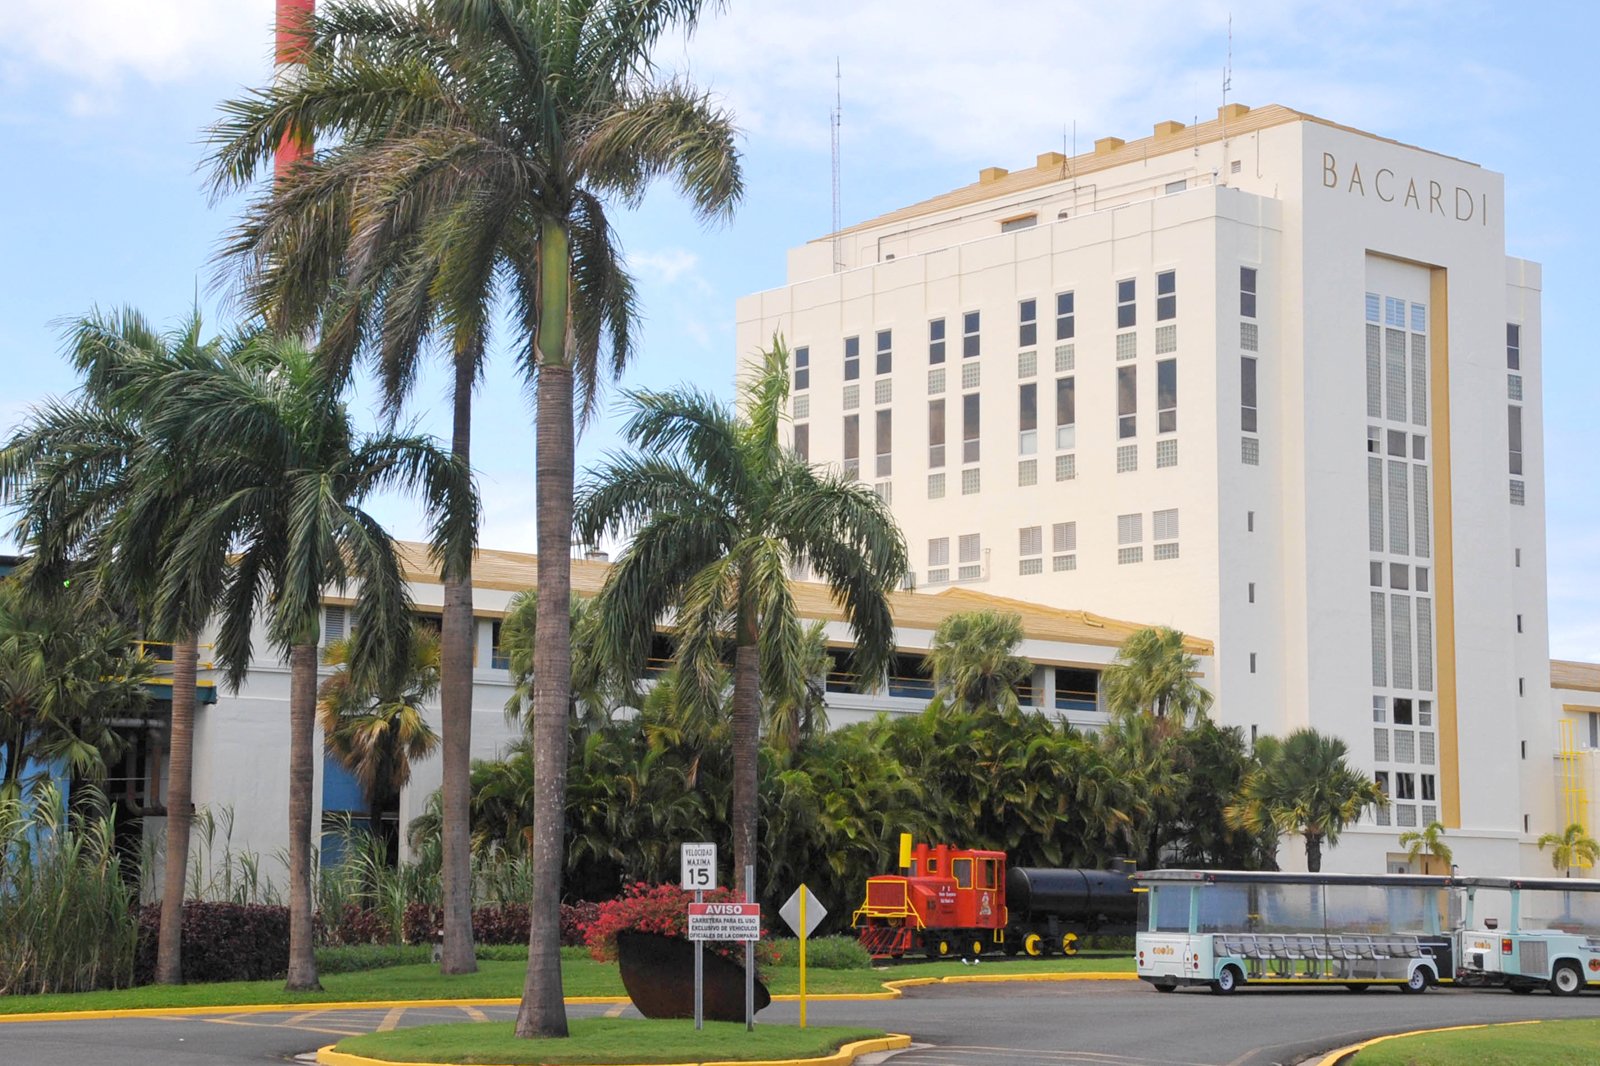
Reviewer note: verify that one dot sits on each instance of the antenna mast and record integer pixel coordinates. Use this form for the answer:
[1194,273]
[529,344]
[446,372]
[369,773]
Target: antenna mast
[835,118]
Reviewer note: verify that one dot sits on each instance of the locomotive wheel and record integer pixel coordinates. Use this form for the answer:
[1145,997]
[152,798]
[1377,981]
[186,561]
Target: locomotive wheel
[944,948]
[977,947]
[1033,944]
[1069,943]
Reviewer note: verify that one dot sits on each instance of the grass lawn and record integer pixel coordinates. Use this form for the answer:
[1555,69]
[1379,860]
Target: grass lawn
[603,1040]
[502,979]
[1571,1043]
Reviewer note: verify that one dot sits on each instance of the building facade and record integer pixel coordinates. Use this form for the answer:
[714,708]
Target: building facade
[1268,379]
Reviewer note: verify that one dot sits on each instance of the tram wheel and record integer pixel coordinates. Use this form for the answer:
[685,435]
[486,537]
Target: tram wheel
[1418,982]
[1566,979]
[1166,987]
[1227,980]
[1358,987]
[1033,945]
[1521,990]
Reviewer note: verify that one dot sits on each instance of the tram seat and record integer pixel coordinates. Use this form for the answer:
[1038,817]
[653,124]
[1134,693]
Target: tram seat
[1412,949]
[1275,946]
[1322,947]
[1230,946]
[1253,947]
[1359,947]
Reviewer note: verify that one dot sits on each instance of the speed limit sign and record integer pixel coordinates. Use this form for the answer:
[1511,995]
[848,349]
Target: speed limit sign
[698,866]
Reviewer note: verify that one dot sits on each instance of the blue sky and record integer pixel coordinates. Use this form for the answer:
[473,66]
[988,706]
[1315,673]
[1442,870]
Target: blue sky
[103,104]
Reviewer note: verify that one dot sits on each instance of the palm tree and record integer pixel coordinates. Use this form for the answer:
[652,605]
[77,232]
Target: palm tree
[1154,673]
[720,513]
[796,715]
[1427,843]
[598,688]
[472,144]
[1304,785]
[97,489]
[1570,847]
[376,726]
[280,473]
[974,661]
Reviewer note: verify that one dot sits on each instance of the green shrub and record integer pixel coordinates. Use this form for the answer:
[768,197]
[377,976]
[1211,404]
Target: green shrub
[823,952]
[357,957]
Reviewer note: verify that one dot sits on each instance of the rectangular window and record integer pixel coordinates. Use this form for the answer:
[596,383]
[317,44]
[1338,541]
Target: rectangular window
[802,369]
[1066,466]
[1028,472]
[1428,787]
[1027,419]
[936,486]
[852,358]
[1030,540]
[1405,786]
[1066,413]
[1251,592]
[1167,396]
[802,442]
[1514,436]
[883,390]
[1167,452]
[1166,296]
[1064,537]
[1250,451]
[1027,323]
[1247,394]
[1066,325]
[969,335]
[1127,458]
[1130,529]
[936,381]
[885,437]
[1165,524]
[936,341]
[1247,292]
[1127,402]
[885,351]
[1252,662]
[935,434]
[1126,316]
[971,545]
[969,427]
[1513,346]
[1011,225]
[852,438]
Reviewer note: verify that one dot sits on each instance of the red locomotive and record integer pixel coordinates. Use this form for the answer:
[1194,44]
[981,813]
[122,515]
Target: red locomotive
[948,901]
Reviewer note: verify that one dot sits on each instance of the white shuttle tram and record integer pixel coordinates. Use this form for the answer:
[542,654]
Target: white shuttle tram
[1224,929]
[1528,933]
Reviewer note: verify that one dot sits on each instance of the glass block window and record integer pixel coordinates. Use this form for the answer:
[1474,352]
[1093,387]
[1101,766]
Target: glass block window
[1066,358]
[936,486]
[969,335]
[1380,640]
[1127,458]
[1426,751]
[802,369]
[1127,317]
[1394,363]
[1380,745]
[1030,540]
[1249,336]
[883,390]
[1166,339]
[1399,508]
[969,573]
[1127,346]
[1027,323]
[971,547]
[936,381]
[1129,555]
[1374,504]
[1065,324]
[802,406]
[1029,567]
[1374,307]
[1374,372]
[1514,387]
[1419,379]
[1064,537]
[1382,815]
[1167,452]
[1027,364]
[1066,467]
[1424,644]
[938,577]
[1419,509]
[1519,493]
[852,358]
[935,341]
[970,482]
[1028,472]
[1400,639]
[1250,451]
[1405,745]
[852,397]
[1430,813]
[970,375]
[1130,528]
[1061,563]
[1405,814]
[1165,551]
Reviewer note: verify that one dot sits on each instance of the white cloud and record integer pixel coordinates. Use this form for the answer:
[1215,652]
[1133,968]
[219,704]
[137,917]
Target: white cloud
[666,266]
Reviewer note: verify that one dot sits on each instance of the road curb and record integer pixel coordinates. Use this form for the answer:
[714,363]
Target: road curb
[1342,1055]
[327,1056]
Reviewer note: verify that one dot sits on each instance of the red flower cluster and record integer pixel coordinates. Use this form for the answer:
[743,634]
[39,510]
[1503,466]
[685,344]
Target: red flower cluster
[659,909]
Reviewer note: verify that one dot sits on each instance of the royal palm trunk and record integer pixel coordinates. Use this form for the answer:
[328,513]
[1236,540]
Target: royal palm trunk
[302,737]
[180,810]
[455,699]
[542,1012]
[746,714]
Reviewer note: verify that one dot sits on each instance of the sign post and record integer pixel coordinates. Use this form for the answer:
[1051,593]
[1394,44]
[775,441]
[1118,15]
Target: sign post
[803,912]
[697,866]
[731,921]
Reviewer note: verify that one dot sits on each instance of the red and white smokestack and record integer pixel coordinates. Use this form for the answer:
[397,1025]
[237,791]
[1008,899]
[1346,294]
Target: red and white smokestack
[289,52]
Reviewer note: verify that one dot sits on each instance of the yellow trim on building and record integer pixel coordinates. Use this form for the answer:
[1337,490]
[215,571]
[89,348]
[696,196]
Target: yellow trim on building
[1444,596]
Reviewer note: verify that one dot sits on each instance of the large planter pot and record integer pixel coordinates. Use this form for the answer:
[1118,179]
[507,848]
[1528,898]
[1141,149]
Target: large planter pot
[658,972]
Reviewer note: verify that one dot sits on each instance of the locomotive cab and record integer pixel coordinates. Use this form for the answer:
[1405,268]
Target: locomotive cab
[946,901]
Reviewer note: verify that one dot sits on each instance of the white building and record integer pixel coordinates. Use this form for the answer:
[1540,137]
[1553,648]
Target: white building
[1268,379]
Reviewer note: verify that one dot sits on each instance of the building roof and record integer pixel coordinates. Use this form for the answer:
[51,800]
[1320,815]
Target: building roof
[1584,677]
[515,571]
[1232,120]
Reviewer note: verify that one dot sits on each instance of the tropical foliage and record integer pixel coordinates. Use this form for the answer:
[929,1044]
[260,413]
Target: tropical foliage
[1425,844]
[1570,847]
[1154,673]
[974,661]
[1304,785]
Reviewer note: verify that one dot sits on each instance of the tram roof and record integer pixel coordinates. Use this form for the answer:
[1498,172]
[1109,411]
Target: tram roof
[1541,884]
[1278,877]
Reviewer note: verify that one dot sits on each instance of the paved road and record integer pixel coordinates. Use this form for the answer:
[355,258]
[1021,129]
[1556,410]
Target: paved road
[1113,1023]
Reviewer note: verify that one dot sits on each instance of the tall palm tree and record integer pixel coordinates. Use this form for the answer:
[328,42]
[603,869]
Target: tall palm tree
[796,715]
[1427,843]
[598,688]
[376,725]
[280,473]
[974,661]
[1570,847]
[720,513]
[472,145]
[1154,673]
[98,489]
[1304,785]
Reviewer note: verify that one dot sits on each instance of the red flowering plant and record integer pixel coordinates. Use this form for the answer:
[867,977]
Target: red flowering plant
[659,909]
